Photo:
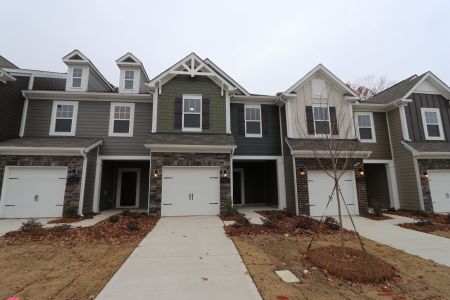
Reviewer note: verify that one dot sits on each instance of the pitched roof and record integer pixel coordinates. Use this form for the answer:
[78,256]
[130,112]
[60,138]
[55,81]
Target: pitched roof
[4,63]
[49,84]
[321,145]
[396,91]
[49,142]
[129,59]
[429,146]
[231,80]
[194,139]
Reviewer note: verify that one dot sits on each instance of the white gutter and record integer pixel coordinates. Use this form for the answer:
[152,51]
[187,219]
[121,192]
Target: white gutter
[94,96]
[24,116]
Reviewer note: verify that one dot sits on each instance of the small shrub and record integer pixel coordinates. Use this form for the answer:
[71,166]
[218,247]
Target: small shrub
[126,212]
[276,215]
[31,225]
[377,209]
[423,222]
[113,219]
[331,223]
[231,211]
[305,223]
[70,211]
[269,223]
[62,227]
[240,221]
[133,226]
[422,214]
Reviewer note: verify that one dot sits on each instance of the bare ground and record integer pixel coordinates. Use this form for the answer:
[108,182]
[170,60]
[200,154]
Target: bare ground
[417,278]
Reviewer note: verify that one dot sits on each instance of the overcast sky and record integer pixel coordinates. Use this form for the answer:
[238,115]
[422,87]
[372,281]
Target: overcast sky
[265,45]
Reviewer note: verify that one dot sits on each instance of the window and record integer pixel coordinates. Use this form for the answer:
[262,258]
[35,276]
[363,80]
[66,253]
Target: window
[319,88]
[432,124]
[192,113]
[64,118]
[253,121]
[321,119]
[365,127]
[129,80]
[121,119]
[77,73]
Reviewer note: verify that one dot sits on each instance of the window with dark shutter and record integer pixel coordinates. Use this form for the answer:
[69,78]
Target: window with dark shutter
[265,120]
[192,113]
[310,120]
[253,121]
[321,117]
[333,120]
[178,113]
[241,119]
[205,113]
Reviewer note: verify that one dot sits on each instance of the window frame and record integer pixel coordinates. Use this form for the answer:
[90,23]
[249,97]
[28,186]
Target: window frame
[192,129]
[132,80]
[80,77]
[314,120]
[74,118]
[441,136]
[112,119]
[372,127]
[253,135]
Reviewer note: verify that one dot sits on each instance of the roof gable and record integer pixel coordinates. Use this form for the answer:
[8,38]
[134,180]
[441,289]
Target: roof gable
[191,65]
[432,81]
[76,56]
[328,75]
[4,63]
[129,60]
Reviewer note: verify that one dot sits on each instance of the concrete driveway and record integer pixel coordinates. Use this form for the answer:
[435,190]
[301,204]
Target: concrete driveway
[183,258]
[425,245]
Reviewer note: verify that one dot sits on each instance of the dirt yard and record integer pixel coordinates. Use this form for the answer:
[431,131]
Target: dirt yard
[72,265]
[440,223]
[263,254]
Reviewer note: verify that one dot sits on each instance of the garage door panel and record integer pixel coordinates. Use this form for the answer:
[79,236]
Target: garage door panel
[190,191]
[33,192]
[321,188]
[440,190]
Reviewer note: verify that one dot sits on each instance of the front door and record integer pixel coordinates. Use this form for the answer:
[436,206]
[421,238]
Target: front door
[128,183]
[238,187]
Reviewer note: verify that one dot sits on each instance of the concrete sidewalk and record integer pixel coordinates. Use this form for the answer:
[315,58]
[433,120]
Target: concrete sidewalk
[183,258]
[425,245]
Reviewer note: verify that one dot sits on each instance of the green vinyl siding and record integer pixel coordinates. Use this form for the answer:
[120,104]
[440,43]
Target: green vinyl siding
[199,85]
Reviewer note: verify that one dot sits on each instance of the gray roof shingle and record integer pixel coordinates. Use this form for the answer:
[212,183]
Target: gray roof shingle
[320,144]
[430,146]
[49,84]
[50,142]
[396,91]
[4,63]
[195,139]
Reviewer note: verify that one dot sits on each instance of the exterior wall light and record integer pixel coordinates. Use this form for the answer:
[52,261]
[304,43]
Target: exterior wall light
[224,174]
[302,172]
[360,171]
[425,174]
[156,173]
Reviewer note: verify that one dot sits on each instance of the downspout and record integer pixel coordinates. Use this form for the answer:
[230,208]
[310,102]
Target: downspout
[83,153]
[24,116]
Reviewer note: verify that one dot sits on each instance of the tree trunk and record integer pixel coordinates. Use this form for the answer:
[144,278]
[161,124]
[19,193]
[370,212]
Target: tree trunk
[338,199]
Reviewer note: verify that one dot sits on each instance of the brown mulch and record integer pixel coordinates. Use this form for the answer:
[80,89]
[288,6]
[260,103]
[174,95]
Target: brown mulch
[435,218]
[426,228]
[72,219]
[107,231]
[348,266]
[234,217]
[375,217]
[281,223]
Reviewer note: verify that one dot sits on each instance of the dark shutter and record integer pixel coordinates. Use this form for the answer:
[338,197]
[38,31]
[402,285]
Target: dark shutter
[333,120]
[241,119]
[309,120]
[205,113]
[265,120]
[178,113]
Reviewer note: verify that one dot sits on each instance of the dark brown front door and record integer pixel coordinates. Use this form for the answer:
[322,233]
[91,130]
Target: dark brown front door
[237,188]
[128,188]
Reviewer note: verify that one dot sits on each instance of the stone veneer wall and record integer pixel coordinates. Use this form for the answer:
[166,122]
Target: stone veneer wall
[428,165]
[311,164]
[159,160]
[72,193]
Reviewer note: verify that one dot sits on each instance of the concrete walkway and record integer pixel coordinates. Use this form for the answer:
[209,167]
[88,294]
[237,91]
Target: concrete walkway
[183,258]
[425,245]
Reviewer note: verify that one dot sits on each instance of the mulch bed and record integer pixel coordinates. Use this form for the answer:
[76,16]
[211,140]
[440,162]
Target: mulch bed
[435,218]
[106,230]
[352,266]
[234,217]
[375,217]
[73,219]
[281,223]
[426,228]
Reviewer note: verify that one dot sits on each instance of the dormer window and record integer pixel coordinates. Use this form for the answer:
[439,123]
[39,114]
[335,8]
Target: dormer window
[77,73]
[129,79]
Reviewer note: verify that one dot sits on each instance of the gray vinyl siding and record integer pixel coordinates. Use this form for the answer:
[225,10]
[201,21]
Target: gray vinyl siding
[93,121]
[11,106]
[96,84]
[142,87]
[414,115]
[269,143]
[404,165]
[381,149]
[288,166]
[90,181]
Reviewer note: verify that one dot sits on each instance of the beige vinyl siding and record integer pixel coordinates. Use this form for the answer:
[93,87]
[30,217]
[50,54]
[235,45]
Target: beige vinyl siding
[381,149]
[404,165]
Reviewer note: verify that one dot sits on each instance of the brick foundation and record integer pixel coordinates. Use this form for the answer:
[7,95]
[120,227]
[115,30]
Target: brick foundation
[429,165]
[311,164]
[72,193]
[159,160]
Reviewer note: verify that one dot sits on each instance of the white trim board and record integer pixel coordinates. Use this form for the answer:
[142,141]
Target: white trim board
[112,119]
[72,132]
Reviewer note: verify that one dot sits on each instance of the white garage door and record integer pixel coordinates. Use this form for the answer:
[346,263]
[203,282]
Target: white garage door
[32,192]
[320,187]
[440,190]
[190,191]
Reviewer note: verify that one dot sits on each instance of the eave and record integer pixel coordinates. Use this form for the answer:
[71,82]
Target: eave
[89,96]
